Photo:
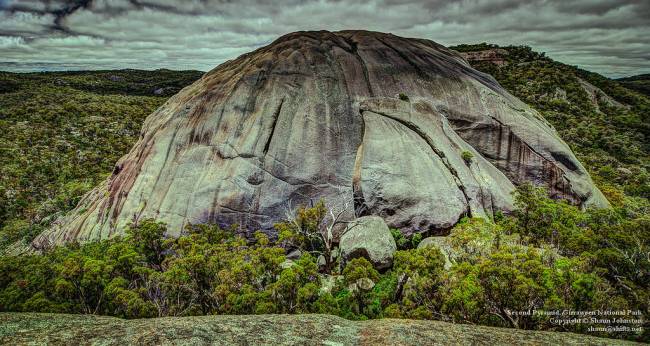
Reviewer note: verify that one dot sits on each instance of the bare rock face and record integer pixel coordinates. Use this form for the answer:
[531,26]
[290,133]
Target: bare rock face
[597,96]
[495,56]
[317,115]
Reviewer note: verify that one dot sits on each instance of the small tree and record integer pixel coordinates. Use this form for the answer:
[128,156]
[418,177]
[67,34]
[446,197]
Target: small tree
[467,157]
[148,239]
[313,228]
[421,266]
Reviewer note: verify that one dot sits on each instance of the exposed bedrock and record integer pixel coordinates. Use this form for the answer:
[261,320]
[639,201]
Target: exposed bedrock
[316,115]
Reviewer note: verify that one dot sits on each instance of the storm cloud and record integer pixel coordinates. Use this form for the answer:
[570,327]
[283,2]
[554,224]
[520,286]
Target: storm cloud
[606,36]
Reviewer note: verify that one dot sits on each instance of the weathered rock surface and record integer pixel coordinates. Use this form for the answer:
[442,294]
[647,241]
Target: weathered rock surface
[316,115]
[294,254]
[52,329]
[328,282]
[361,285]
[495,56]
[369,237]
[597,96]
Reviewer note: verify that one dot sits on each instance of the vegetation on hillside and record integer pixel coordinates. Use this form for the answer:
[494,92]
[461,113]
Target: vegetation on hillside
[548,256]
[62,132]
[640,83]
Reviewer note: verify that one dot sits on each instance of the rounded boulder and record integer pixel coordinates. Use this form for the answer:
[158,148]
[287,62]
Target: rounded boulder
[368,237]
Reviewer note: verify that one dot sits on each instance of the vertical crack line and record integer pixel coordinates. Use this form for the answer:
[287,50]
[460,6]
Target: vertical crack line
[172,142]
[420,72]
[365,73]
[483,78]
[437,151]
[360,206]
[276,115]
[255,202]
[354,51]
[512,136]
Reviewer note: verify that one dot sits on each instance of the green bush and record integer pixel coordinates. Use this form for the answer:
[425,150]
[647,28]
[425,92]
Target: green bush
[403,242]
[359,268]
[467,157]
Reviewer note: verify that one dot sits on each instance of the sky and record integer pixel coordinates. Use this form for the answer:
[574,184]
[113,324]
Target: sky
[611,37]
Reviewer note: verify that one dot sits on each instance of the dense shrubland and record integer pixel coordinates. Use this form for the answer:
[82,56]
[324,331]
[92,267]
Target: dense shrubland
[640,83]
[62,133]
[548,255]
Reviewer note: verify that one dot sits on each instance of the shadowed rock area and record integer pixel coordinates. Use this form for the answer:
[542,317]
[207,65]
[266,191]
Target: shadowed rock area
[53,329]
[379,119]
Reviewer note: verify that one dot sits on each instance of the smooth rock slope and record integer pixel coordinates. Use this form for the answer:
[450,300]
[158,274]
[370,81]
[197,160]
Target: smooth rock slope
[53,329]
[318,115]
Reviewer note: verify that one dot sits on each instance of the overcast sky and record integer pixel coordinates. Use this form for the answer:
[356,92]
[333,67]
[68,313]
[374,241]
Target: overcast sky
[606,36]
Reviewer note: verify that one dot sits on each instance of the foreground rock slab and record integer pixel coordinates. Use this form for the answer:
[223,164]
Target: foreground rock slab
[54,329]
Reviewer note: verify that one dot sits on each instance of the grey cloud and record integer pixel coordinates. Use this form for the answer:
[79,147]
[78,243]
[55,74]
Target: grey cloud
[599,7]
[607,36]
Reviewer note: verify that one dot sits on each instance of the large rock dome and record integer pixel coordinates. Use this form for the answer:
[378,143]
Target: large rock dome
[386,121]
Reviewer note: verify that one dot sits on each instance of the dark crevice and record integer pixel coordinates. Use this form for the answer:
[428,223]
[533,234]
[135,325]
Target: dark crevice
[413,127]
[358,253]
[565,160]
[566,182]
[353,50]
[360,206]
[276,115]
[417,68]
[117,169]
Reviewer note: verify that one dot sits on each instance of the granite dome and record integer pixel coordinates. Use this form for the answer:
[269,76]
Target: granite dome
[375,118]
